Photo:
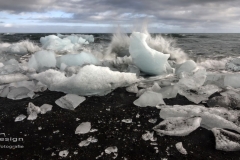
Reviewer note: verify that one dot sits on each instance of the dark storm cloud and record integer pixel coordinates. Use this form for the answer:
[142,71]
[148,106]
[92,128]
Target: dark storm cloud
[183,13]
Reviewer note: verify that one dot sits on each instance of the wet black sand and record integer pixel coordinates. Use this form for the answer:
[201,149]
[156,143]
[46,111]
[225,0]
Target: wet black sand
[40,144]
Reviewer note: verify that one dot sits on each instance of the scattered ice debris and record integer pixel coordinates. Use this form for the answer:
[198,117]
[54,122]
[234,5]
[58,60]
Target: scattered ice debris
[180,148]
[77,119]
[32,111]
[57,131]
[153,144]
[70,101]
[63,153]
[42,60]
[178,126]
[133,88]
[88,141]
[45,108]
[187,66]
[112,149]
[152,120]
[100,155]
[137,115]
[83,128]
[20,118]
[149,98]
[90,80]
[156,149]
[93,130]
[147,59]
[226,140]
[127,120]
[39,128]
[53,154]
[211,117]
[149,136]
[75,152]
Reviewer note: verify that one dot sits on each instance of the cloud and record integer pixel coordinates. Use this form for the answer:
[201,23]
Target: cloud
[188,14]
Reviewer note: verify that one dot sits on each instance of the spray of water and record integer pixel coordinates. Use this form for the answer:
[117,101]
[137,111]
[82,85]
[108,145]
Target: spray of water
[120,44]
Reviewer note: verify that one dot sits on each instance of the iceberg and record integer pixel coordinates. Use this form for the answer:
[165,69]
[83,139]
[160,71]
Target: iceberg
[148,60]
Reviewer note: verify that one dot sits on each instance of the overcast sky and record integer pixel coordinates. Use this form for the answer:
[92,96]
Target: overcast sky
[172,16]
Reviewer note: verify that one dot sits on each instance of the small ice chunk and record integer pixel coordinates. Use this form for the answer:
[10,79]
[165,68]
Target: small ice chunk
[155,87]
[200,94]
[70,101]
[57,131]
[20,93]
[132,88]
[63,153]
[88,141]
[148,136]
[149,98]
[32,111]
[178,126]
[45,108]
[180,148]
[20,118]
[42,59]
[169,91]
[193,81]
[127,120]
[83,128]
[93,130]
[152,120]
[112,149]
[137,115]
[232,80]
[188,66]
[226,140]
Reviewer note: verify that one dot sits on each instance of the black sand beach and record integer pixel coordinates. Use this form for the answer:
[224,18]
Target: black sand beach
[105,113]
